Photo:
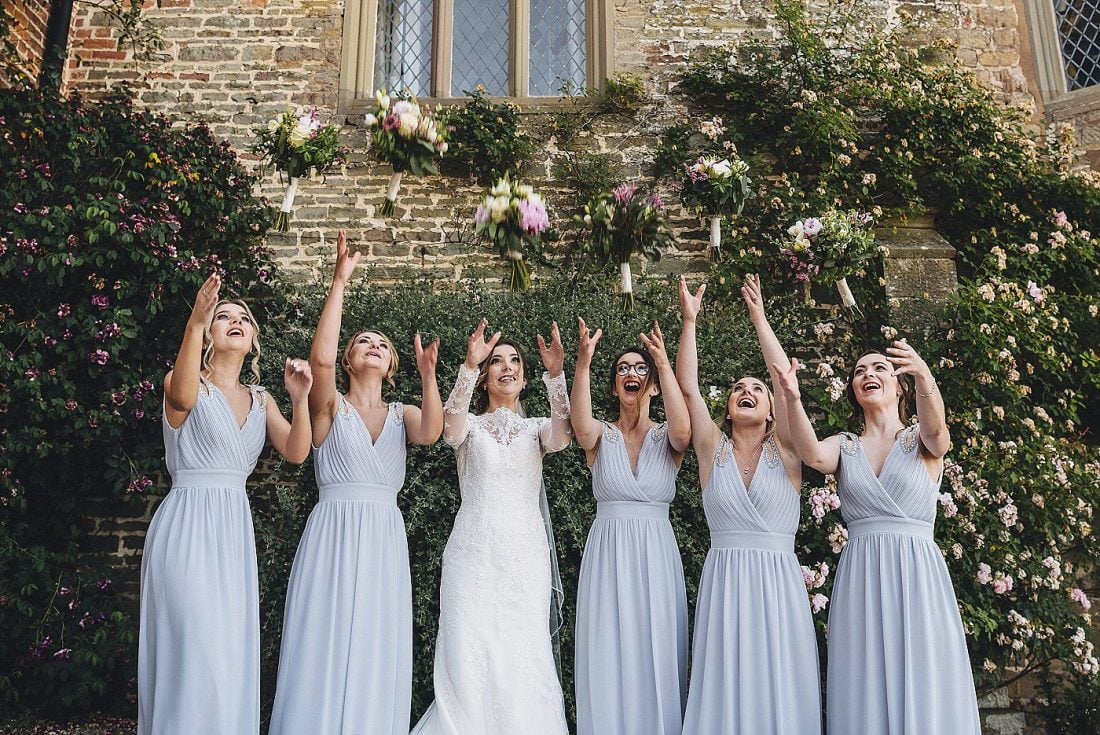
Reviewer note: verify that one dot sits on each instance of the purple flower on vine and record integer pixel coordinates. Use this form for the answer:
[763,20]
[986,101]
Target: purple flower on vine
[99,357]
[63,654]
[101,301]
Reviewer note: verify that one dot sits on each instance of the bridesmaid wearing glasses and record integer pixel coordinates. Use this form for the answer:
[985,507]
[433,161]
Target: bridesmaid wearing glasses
[631,644]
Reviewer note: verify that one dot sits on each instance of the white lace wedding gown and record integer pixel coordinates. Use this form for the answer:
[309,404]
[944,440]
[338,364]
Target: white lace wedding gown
[494,665]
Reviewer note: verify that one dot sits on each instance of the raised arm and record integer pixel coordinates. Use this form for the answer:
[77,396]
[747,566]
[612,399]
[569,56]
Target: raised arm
[585,427]
[676,410]
[555,437]
[326,343]
[704,433]
[181,384]
[292,439]
[823,456]
[773,352]
[424,425]
[931,413]
[458,403]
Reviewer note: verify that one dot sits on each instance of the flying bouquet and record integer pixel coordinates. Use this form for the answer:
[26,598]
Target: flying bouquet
[715,187]
[298,145]
[406,136]
[831,248]
[513,217]
[622,223]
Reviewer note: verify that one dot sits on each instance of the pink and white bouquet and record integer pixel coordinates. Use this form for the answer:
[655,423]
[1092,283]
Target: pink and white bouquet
[622,223]
[298,144]
[715,187]
[831,248]
[405,135]
[513,217]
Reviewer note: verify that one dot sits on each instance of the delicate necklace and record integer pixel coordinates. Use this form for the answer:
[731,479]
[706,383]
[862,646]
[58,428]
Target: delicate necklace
[745,469]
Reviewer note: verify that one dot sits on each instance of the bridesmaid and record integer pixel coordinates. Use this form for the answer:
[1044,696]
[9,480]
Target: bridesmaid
[345,666]
[754,656]
[199,644]
[631,649]
[898,663]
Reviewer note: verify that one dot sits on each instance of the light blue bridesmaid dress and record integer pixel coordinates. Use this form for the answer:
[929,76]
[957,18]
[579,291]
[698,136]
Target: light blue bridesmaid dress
[199,642]
[345,666]
[632,641]
[754,667]
[897,654]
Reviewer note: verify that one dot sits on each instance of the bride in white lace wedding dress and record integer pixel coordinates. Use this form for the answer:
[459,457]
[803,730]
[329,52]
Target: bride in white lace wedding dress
[494,664]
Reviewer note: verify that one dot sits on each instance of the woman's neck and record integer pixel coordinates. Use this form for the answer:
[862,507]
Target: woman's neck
[224,370]
[366,390]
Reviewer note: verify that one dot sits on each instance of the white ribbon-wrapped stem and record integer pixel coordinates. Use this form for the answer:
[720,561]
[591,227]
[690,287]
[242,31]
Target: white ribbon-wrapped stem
[716,232]
[289,194]
[846,298]
[626,281]
[395,185]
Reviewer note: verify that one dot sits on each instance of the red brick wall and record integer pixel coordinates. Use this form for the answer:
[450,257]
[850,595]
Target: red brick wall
[31,18]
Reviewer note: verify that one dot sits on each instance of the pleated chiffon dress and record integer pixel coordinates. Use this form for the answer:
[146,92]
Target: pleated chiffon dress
[898,663]
[345,665]
[754,667]
[631,635]
[199,640]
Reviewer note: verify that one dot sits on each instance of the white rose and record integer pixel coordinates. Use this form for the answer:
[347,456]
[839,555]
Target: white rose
[498,210]
[501,189]
[370,120]
[795,230]
[722,168]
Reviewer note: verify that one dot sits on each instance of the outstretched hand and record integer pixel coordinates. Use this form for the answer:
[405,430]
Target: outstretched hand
[477,348]
[426,357]
[345,261]
[654,342]
[690,305]
[586,342]
[787,379]
[553,355]
[753,296]
[298,379]
[202,313]
[906,360]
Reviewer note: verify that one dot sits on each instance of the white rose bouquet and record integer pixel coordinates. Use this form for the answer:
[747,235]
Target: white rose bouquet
[405,135]
[513,217]
[715,187]
[298,144]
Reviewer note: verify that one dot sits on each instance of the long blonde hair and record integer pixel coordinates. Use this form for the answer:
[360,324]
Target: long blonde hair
[208,342]
[769,423]
[394,360]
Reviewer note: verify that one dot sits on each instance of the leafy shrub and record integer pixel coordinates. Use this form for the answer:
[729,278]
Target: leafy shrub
[110,219]
[485,141]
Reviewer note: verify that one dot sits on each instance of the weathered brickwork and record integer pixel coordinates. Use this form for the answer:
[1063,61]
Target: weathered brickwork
[31,19]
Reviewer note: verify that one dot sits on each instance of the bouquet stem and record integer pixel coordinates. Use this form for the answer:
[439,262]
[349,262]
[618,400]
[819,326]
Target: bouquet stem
[519,276]
[626,286]
[391,194]
[716,235]
[282,220]
[847,300]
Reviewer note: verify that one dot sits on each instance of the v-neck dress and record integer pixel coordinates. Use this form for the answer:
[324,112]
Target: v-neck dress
[345,665]
[754,668]
[632,639]
[898,663]
[199,640]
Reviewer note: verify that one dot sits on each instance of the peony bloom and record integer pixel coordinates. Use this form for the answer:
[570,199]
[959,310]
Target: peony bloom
[812,227]
[406,125]
[532,216]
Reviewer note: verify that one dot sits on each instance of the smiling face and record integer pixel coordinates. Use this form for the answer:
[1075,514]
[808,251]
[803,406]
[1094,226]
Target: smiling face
[634,378]
[232,329]
[502,374]
[873,382]
[749,402]
[370,351]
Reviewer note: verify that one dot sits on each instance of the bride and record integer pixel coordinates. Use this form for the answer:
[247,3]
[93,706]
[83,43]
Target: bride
[494,665]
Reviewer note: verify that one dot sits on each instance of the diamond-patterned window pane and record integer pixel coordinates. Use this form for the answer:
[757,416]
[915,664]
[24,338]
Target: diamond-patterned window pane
[1079,33]
[557,46]
[480,53]
[403,46]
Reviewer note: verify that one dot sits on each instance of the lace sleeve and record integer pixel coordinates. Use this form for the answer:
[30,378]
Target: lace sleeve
[457,407]
[555,433]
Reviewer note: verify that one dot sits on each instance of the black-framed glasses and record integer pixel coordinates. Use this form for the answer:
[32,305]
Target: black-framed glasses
[624,368]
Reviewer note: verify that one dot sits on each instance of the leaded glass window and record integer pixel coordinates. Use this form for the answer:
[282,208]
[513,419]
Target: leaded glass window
[1078,24]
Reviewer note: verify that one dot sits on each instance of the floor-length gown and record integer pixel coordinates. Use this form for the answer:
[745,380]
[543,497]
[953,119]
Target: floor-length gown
[632,638]
[898,663]
[494,663]
[199,641]
[754,668]
[345,666]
